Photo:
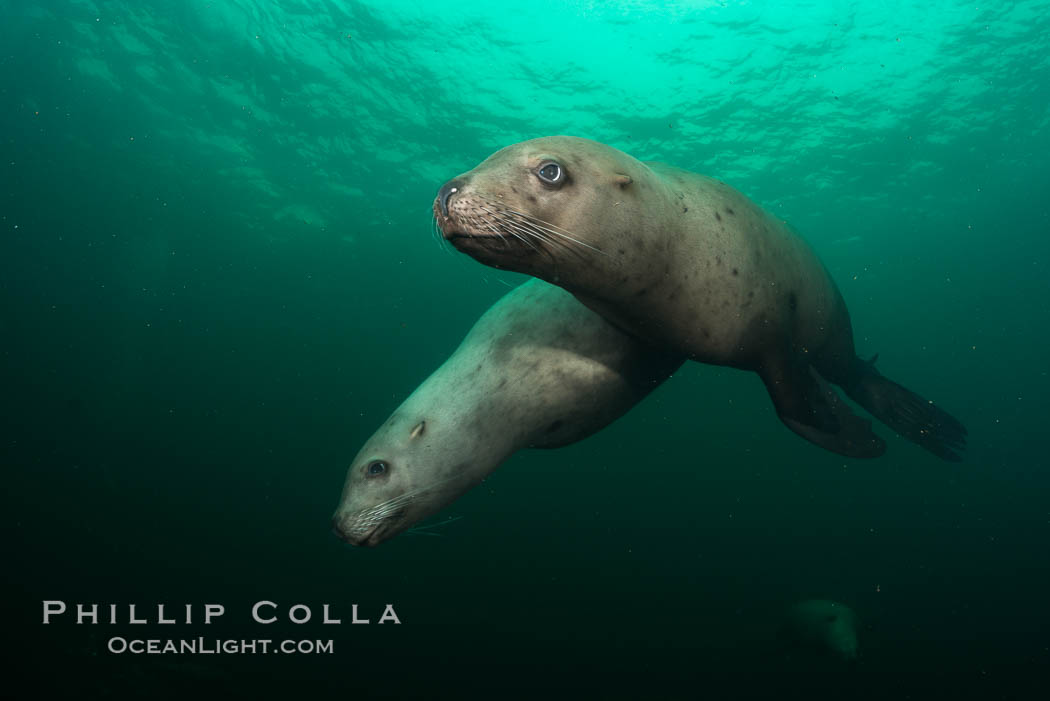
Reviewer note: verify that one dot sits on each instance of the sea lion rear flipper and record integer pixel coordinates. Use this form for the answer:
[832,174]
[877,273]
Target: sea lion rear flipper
[913,417]
[810,407]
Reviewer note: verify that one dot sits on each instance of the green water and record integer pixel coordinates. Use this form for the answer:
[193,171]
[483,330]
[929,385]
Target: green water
[217,279]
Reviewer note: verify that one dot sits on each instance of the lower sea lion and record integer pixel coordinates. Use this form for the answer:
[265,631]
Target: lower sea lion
[693,266]
[538,370]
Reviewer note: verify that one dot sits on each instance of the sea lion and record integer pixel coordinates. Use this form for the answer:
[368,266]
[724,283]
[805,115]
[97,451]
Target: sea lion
[826,627]
[691,265]
[538,370]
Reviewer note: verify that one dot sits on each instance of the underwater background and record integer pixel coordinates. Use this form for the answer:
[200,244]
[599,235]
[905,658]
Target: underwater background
[218,278]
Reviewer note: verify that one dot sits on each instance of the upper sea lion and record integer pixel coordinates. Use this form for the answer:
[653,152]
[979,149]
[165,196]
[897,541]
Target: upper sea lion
[688,264]
[538,370]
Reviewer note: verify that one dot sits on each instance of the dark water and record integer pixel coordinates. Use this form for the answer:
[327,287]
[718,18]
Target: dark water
[217,280]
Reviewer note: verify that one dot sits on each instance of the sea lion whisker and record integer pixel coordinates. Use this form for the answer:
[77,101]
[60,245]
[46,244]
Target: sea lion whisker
[428,529]
[527,228]
[360,526]
[370,524]
[509,217]
[512,229]
[555,237]
[530,230]
[402,499]
[504,222]
[502,206]
[381,511]
[370,518]
[542,222]
[435,231]
[393,504]
[552,229]
[573,240]
[521,238]
[439,524]
[384,509]
[367,522]
[543,234]
[483,223]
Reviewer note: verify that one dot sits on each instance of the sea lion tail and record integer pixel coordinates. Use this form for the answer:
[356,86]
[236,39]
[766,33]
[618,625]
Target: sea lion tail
[913,417]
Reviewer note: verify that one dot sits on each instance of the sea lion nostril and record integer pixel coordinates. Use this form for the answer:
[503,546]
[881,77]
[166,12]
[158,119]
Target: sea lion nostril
[444,200]
[447,190]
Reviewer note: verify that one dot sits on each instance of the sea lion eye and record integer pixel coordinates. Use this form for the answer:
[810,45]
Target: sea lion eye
[376,468]
[550,173]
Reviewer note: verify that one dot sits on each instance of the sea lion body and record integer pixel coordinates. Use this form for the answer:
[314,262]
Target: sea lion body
[691,265]
[537,370]
[741,273]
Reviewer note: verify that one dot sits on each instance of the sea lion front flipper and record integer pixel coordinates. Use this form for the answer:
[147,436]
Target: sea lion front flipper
[810,407]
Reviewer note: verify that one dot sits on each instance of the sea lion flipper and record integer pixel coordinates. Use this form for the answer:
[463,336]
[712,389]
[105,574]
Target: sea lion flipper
[913,417]
[810,407]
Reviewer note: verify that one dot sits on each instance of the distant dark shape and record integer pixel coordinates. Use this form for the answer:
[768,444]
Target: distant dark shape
[823,627]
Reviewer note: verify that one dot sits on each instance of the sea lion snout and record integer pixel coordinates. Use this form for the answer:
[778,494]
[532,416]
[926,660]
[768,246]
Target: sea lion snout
[338,532]
[357,529]
[447,191]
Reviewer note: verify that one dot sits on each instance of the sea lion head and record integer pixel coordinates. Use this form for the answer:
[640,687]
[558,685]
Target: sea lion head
[546,204]
[393,483]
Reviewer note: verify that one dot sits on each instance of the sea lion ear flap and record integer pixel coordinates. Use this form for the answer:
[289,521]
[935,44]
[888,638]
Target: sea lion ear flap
[623,180]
